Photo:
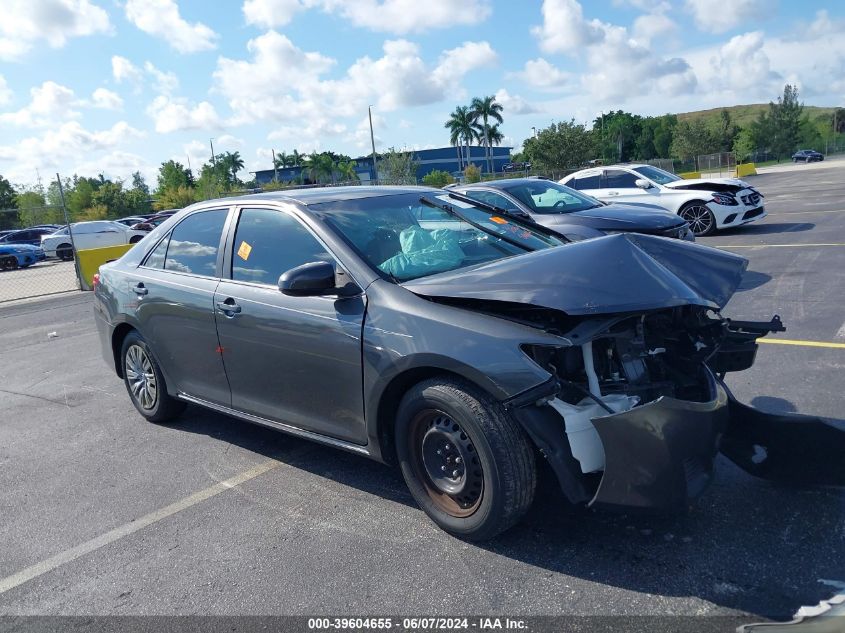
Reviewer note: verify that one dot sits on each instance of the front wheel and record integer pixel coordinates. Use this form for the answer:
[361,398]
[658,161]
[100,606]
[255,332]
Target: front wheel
[700,219]
[466,461]
[135,239]
[145,382]
[64,252]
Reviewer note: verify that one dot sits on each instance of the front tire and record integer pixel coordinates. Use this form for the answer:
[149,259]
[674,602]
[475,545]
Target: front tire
[64,252]
[135,239]
[700,219]
[465,459]
[145,382]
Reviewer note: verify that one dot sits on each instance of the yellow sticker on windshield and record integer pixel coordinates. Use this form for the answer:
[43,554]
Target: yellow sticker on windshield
[244,250]
[498,220]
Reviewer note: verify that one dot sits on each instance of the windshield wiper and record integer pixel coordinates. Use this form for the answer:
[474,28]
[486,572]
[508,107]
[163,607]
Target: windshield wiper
[448,208]
[521,215]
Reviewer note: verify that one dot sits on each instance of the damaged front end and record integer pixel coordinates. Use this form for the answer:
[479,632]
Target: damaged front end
[636,411]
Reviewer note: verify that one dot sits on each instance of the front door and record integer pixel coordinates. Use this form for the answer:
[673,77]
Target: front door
[289,359]
[619,185]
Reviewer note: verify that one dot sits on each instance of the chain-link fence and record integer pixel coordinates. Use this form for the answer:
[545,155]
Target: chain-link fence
[26,268]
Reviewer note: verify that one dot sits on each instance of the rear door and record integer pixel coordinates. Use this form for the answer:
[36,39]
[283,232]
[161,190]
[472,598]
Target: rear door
[588,182]
[174,291]
[295,360]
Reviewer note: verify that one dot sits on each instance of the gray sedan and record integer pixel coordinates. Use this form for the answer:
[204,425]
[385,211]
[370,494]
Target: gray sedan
[417,327]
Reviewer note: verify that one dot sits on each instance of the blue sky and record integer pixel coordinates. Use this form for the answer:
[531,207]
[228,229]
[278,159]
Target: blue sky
[114,86]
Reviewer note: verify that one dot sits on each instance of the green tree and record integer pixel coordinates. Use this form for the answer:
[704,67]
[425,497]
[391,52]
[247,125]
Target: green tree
[663,132]
[213,181]
[31,204]
[744,145]
[397,168]
[8,205]
[472,173]
[282,160]
[483,110]
[726,131]
[319,167]
[438,178]
[617,135]
[81,196]
[176,198]
[692,139]
[233,163]
[560,146]
[462,132]
[172,175]
[114,198]
[785,116]
[346,170]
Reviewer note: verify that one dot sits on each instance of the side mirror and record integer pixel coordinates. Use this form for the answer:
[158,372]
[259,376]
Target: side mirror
[307,280]
[642,183]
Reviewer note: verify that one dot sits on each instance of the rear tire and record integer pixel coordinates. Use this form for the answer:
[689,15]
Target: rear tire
[8,263]
[465,459]
[700,219]
[135,239]
[64,252]
[145,382]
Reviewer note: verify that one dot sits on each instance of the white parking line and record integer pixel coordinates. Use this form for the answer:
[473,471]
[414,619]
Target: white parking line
[25,575]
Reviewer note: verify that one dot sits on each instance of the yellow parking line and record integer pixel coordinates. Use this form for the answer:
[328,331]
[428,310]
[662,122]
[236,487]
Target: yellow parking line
[785,341]
[773,245]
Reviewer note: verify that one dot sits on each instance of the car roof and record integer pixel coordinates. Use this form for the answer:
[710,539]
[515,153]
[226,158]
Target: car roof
[318,195]
[500,184]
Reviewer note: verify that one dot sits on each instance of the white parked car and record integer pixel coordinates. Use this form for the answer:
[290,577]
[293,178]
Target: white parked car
[89,235]
[707,204]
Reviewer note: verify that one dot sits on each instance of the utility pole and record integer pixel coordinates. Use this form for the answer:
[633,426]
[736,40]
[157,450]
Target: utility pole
[275,169]
[373,141]
[213,158]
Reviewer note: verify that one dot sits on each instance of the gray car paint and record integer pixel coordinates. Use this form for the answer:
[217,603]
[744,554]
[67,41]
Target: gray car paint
[380,341]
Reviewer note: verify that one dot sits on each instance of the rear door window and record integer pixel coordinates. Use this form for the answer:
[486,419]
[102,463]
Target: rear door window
[195,242]
[585,182]
[269,243]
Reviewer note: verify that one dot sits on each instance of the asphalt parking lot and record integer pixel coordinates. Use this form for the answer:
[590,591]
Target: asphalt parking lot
[105,514]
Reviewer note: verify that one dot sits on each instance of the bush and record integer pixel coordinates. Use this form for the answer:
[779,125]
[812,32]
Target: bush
[438,178]
[472,173]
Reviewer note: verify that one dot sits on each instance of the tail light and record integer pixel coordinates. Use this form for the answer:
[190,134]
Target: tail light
[95,282]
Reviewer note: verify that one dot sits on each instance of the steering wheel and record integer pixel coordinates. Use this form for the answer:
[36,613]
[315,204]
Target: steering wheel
[559,203]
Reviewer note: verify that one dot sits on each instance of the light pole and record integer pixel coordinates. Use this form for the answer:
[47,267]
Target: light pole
[275,169]
[213,159]
[533,131]
[372,141]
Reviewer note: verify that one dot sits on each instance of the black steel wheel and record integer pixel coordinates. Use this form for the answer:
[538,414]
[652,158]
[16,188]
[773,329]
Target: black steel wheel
[700,219]
[145,382]
[64,252]
[465,459]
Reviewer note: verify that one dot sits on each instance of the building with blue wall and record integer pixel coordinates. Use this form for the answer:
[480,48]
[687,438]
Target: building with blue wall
[428,160]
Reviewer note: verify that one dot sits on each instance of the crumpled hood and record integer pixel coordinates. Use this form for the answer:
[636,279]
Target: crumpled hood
[719,184]
[627,272]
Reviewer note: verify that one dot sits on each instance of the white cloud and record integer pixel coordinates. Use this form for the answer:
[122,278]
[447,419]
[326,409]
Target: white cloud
[719,17]
[161,19]
[50,103]
[165,82]
[282,82]
[270,13]
[540,74]
[106,99]
[124,70]
[409,16]
[743,62]
[174,115]
[564,29]
[61,145]
[654,26]
[118,165]
[514,104]
[5,91]
[25,22]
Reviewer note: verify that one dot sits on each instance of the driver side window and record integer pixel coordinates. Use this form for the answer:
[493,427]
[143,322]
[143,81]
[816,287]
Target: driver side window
[488,197]
[269,243]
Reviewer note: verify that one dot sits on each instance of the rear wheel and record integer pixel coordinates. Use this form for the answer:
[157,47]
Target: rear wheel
[466,461]
[8,263]
[64,252]
[145,382]
[135,239]
[700,219]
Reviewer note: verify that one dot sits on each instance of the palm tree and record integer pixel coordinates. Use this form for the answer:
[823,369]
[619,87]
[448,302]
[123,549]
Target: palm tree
[461,130]
[233,162]
[317,165]
[282,160]
[346,169]
[296,158]
[485,109]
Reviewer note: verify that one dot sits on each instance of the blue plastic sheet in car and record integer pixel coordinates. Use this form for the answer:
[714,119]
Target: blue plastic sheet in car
[424,253]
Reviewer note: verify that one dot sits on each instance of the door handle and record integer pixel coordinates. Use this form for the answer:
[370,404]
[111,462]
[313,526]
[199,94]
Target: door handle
[613,193]
[140,289]
[229,307]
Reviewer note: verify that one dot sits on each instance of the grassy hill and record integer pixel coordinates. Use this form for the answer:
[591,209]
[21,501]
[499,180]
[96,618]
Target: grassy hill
[743,115]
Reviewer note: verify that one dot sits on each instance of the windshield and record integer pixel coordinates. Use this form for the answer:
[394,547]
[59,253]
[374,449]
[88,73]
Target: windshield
[656,174]
[544,196]
[405,238]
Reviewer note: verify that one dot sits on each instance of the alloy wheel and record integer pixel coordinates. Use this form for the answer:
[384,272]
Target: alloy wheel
[446,462]
[699,218]
[141,377]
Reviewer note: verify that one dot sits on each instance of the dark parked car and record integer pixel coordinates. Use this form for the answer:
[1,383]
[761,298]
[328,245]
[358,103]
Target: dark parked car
[26,236]
[572,213]
[150,223]
[807,156]
[410,326]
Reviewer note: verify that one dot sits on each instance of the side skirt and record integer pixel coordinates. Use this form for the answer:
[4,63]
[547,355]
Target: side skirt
[278,426]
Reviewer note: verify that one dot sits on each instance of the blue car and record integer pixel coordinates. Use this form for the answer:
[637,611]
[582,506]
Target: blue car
[15,256]
[31,235]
